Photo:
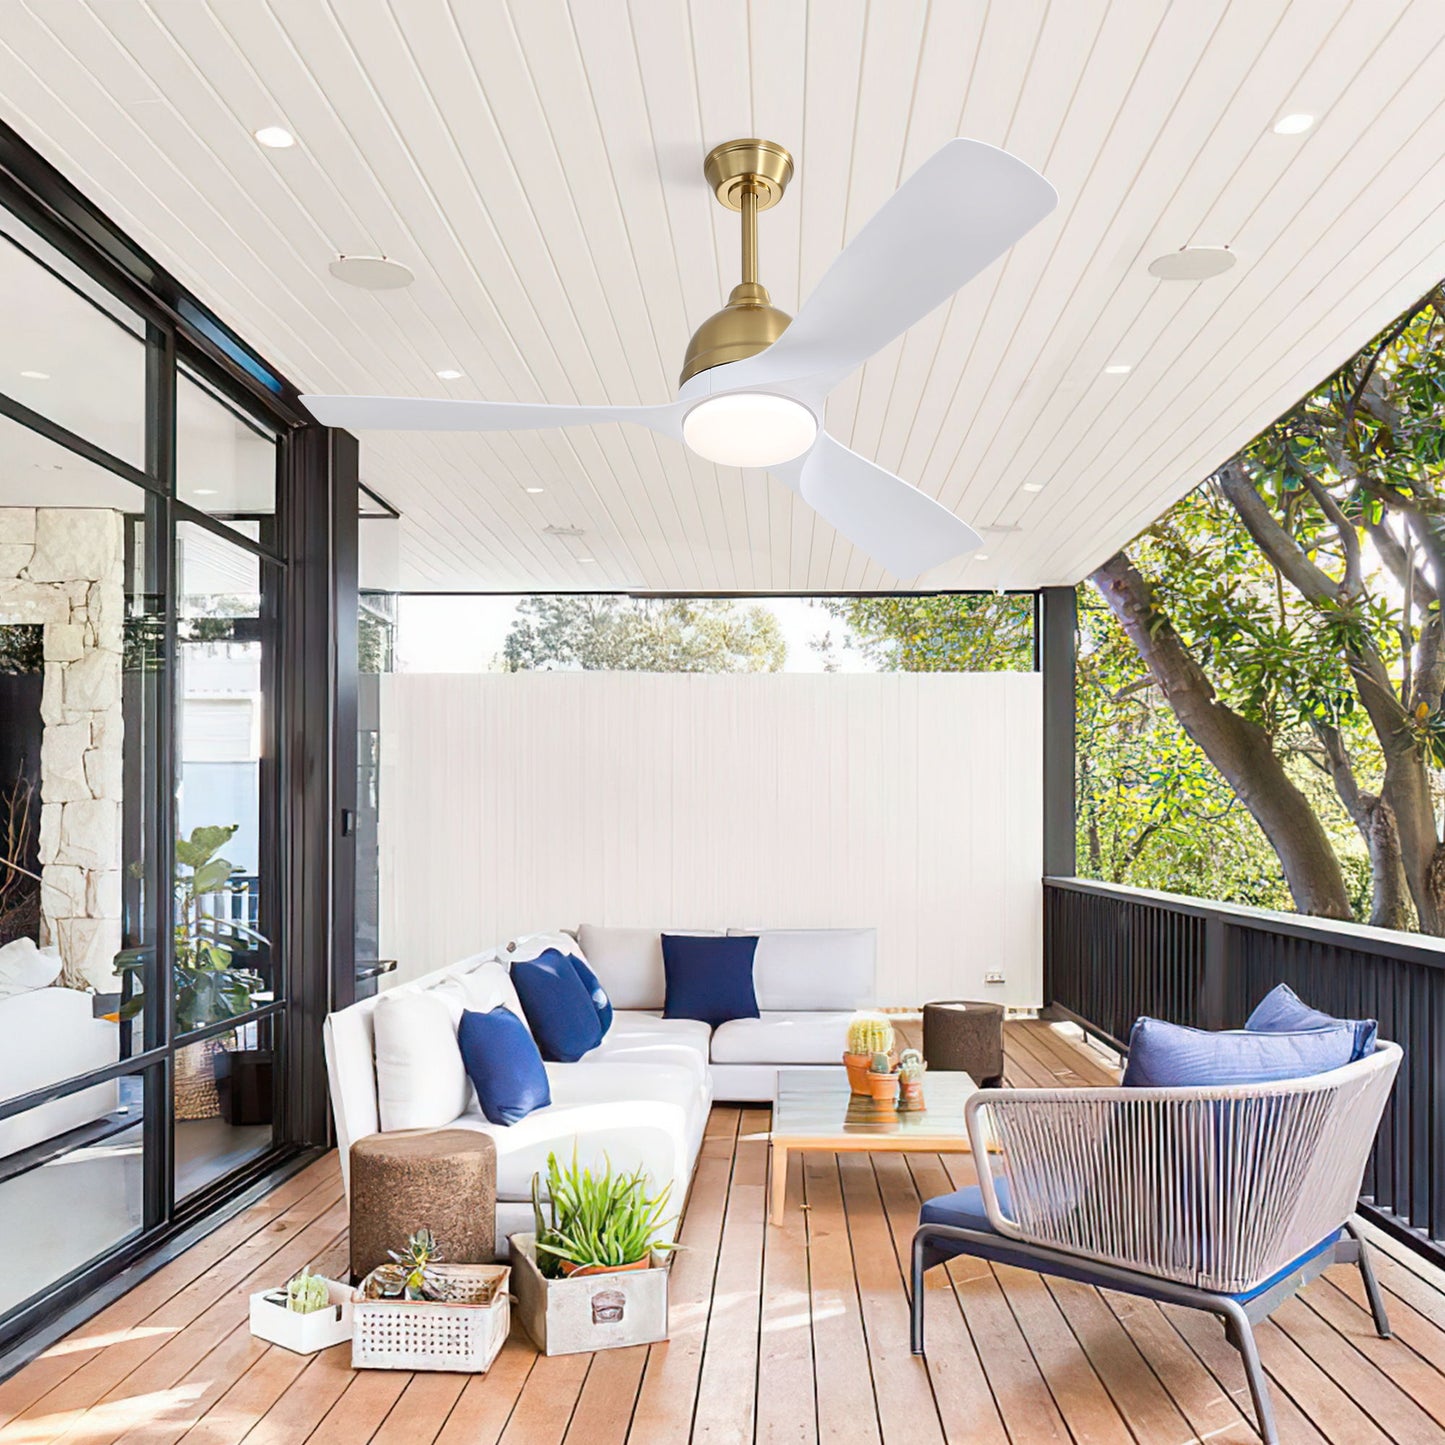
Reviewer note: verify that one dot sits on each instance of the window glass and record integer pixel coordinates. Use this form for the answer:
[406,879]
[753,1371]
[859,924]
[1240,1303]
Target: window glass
[67,354]
[224,952]
[225,461]
[224,1103]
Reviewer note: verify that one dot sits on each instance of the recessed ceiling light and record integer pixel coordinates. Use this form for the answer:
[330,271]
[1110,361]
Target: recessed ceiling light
[980,556]
[1192,263]
[275,137]
[586,559]
[372,273]
[1032,487]
[1119,368]
[36,375]
[1295,124]
[447,374]
[533,491]
[203,491]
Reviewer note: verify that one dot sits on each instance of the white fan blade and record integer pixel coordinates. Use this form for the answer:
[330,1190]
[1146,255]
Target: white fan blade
[881,514]
[955,215]
[420,413]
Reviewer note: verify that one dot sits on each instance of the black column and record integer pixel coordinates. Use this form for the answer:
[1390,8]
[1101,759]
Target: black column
[1057,633]
[318,724]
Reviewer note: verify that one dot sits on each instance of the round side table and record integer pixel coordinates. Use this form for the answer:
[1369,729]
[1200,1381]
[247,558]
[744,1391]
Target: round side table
[961,1035]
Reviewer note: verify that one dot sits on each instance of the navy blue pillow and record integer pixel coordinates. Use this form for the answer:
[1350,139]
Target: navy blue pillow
[1283,1010]
[1165,1055]
[710,979]
[503,1064]
[558,1006]
[595,991]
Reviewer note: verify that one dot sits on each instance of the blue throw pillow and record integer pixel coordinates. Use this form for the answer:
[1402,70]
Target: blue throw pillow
[1282,1010]
[503,1064]
[709,979]
[595,992]
[1164,1055]
[558,1006]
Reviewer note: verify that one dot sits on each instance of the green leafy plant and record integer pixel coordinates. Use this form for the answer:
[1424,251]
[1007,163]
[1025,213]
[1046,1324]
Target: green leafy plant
[603,1220]
[306,1293]
[208,983]
[415,1261]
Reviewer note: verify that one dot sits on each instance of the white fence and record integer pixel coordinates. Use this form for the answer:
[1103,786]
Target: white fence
[909,802]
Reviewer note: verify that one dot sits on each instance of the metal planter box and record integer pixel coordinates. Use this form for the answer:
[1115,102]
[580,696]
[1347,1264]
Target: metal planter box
[303,1334]
[591,1312]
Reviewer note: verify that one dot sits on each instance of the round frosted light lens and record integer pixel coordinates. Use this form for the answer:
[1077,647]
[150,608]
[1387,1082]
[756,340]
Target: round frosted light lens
[1296,124]
[275,137]
[749,429]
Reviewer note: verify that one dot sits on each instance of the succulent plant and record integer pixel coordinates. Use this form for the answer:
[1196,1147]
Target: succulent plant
[880,1064]
[869,1034]
[911,1067]
[415,1261]
[307,1293]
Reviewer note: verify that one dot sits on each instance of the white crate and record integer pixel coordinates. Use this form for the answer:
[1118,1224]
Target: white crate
[588,1312]
[462,1331]
[302,1334]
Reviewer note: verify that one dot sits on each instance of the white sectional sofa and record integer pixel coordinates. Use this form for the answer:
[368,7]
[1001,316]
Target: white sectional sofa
[641,1098]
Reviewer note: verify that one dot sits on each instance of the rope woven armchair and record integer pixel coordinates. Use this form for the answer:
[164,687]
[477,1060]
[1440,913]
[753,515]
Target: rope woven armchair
[1227,1199]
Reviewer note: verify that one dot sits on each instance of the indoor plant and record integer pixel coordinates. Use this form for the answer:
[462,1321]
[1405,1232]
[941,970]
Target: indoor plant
[596,1223]
[911,1070]
[868,1034]
[882,1081]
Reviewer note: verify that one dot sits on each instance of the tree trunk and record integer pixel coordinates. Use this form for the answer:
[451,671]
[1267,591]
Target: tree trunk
[1240,749]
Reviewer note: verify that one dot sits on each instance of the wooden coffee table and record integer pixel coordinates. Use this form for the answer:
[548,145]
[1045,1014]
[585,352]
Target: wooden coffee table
[816,1110]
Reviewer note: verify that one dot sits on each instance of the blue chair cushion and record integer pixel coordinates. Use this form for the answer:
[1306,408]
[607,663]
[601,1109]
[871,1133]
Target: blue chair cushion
[709,978]
[563,1018]
[503,1063]
[595,992]
[1282,1010]
[1165,1055]
[964,1210]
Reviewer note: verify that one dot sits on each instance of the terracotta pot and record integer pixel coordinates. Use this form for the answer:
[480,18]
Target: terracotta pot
[569,1269]
[910,1096]
[858,1066]
[883,1087]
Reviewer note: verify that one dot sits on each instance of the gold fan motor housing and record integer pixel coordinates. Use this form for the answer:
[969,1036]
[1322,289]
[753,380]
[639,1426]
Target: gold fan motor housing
[747,176]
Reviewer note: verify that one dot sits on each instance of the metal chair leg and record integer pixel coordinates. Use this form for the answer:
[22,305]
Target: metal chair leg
[1373,1292]
[1241,1336]
[915,1317]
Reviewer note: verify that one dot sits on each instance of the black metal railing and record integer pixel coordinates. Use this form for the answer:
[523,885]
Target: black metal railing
[1112,953]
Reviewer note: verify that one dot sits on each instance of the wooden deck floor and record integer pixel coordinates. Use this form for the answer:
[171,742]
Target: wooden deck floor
[797,1333]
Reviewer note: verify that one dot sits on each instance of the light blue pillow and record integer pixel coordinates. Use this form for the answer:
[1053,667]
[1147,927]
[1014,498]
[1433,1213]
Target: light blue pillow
[1282,1010]
[503,1064]
[595,991]
[1165,1055]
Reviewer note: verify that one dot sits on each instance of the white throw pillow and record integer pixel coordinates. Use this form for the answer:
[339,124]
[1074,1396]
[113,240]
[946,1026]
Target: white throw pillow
[628,962]
[421,1082]
[489,986]
[805,969]
[25,966]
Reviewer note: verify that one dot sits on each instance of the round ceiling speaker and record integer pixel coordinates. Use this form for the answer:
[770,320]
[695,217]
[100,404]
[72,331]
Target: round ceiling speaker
[372,273]
[1193,263]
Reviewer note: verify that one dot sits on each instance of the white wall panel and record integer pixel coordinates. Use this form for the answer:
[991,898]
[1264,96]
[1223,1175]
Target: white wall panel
[906,802]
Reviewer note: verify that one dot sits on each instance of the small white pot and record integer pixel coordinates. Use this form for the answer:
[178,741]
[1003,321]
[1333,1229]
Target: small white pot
[302,1334]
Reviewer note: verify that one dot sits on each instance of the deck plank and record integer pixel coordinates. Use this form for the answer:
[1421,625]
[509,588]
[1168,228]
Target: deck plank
[787,1335]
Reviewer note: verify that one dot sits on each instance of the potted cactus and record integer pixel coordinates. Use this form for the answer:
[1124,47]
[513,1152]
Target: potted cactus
[911,1070]
[868,1034]
[882,1081]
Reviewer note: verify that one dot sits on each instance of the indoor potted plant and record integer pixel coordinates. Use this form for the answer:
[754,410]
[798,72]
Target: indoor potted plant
[868,1034]
[882,1080]
[584,1280]
[911,1070]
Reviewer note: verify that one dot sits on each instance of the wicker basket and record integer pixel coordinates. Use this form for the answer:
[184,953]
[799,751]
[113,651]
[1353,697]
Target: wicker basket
[461,1332]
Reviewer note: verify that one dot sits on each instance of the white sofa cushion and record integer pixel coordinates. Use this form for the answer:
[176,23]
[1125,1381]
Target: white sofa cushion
[808,1036]
[646,1115]
[421,1082]
[796,969]
[628,962]
[487,986]
[25,966]
[643,1038]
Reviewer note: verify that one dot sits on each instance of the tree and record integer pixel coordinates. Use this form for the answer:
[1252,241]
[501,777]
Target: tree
[633,634]
[1302,627]
[946,632]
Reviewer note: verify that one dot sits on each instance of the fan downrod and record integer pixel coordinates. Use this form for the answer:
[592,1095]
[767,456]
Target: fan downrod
[747,176]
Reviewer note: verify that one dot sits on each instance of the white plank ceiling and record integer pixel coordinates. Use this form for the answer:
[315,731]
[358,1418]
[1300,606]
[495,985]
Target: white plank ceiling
[538,165]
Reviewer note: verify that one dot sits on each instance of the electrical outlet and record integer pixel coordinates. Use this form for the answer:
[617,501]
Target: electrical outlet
[993,977]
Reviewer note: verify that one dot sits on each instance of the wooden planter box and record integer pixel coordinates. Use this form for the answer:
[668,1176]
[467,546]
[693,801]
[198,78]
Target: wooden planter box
[303,1334]
[590,1312]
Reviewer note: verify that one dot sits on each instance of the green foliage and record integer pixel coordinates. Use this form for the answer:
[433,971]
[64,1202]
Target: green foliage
[946,632]
[636,634]
[415,1262]
[306,1293]
[207,983]
[22,647]
[591,1219]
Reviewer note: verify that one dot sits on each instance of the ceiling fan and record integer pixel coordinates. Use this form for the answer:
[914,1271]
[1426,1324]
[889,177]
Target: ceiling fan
[754,382]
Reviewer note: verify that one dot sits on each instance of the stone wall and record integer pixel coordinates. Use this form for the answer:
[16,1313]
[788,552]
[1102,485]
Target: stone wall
[64,568]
